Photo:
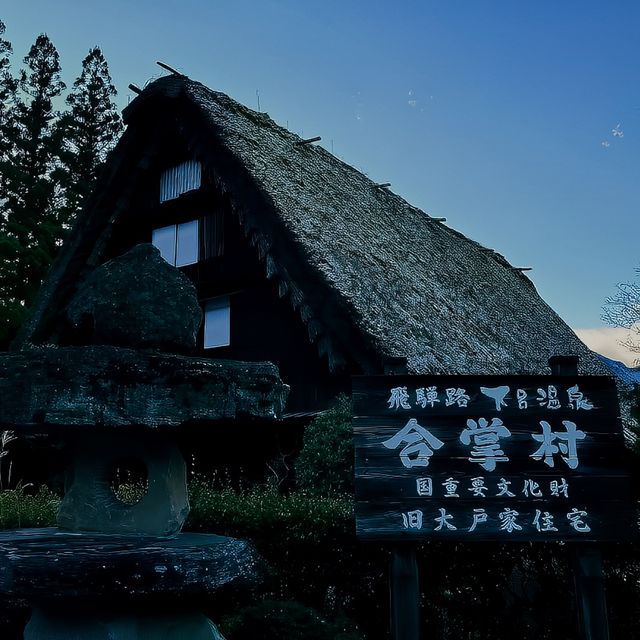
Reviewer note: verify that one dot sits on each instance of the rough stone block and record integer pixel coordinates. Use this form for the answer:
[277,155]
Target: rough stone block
[137,300]
[107,386]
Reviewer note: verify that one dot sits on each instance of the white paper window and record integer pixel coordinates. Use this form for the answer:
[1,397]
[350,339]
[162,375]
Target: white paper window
[178,243]
[187,243]
[217,323]
[180,179]
[165,240]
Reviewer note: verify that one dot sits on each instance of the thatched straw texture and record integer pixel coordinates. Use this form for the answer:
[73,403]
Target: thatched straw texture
[410,285]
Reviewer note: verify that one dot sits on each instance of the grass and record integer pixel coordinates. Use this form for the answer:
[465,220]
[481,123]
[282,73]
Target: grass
[262,509]
[20,508]
[228,511]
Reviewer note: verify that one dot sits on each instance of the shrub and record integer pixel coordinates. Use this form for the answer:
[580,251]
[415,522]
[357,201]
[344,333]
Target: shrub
[325,464]
[308,541]
[278,620]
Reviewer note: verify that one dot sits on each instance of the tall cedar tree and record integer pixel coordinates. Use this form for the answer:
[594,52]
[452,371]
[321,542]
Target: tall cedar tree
[31,229]
[5,52]
[7,92]
[88,131]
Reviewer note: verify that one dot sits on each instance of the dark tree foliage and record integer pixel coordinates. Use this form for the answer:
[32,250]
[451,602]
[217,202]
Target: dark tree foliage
[7,93]
[30,230]
[48,164]
[5,52]
[275,620]
[88,131]
[7,84]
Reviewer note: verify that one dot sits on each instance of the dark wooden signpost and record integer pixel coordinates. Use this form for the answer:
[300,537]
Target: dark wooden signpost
[488,458]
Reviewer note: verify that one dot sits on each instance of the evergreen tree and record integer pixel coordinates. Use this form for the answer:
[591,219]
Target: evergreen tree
[31,229]
[8,84]
[5,76]
[88,131]
[7,93]
[5,50]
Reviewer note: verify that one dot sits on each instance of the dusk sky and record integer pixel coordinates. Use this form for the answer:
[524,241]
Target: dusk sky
[517,121]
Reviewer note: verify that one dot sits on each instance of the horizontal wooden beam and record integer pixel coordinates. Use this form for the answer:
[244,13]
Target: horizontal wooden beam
[309,140]
[168,68]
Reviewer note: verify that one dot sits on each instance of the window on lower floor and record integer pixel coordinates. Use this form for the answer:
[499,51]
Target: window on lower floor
[217,322]
[178,244]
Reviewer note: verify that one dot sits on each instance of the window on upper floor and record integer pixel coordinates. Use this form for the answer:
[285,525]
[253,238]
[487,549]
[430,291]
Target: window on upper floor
[186,243]
[180,179]
[179,244]
[217,322]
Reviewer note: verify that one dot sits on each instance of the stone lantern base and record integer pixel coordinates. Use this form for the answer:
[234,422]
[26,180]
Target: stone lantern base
[49,625]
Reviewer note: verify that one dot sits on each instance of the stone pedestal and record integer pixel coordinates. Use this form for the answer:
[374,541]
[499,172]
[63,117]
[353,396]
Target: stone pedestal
[96,586]
[55,625]
[70,569]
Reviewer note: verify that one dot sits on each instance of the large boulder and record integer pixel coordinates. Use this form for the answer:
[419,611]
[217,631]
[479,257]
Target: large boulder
[137,300]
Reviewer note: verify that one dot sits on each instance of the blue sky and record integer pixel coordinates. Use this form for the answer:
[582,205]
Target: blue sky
[497,115]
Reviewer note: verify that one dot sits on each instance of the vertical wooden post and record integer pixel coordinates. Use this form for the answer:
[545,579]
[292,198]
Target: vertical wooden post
[590,596]
[586,559]
[404,588]
[405,595]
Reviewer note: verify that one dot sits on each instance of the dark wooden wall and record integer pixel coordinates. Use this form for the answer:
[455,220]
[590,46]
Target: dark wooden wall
[263,325]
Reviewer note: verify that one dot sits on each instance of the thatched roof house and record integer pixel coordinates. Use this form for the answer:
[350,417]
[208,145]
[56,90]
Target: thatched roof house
[368,275]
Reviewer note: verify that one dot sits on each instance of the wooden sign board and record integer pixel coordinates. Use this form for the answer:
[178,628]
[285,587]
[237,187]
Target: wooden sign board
[521,458]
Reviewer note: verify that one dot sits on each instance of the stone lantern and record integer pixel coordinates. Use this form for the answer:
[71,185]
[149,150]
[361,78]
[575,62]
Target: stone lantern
[110,570]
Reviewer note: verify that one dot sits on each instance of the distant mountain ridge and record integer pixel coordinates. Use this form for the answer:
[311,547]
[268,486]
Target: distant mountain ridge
[627,375]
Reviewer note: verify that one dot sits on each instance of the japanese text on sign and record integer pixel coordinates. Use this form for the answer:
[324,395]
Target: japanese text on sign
[488,457]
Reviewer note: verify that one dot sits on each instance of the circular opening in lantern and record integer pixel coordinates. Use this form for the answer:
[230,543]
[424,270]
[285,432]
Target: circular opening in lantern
[128,480]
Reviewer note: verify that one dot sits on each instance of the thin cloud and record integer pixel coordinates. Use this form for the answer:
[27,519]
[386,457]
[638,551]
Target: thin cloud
[606,341]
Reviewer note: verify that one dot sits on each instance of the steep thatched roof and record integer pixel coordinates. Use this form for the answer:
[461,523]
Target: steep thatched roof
[409,285]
